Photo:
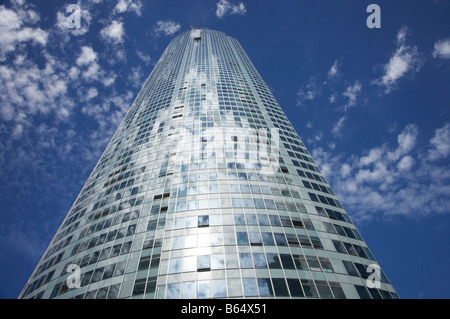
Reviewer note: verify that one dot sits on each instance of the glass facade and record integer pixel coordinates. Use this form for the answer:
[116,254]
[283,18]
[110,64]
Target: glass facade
[206,191]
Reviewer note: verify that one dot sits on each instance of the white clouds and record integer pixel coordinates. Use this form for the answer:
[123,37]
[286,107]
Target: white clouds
[135,77]
[92,93]
[440,143]
[114,32]
[406,163]
[373,156]
[308,91]
[13,31]
[87,56]
[406,140]
[442,49]
[352,93]
[29,94]
[128,5]
[166,27]
[405,59]
[316,138]
[144,57]
[337,127]
[36,89]
[334,70]
[73,73]
[386,181]
[89,67]
[93,72]
[401,35]
[315,87]
[224,7]
[122,6]
[9,19]
[398,65]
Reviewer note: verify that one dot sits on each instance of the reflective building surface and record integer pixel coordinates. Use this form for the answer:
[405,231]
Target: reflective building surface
[206,191]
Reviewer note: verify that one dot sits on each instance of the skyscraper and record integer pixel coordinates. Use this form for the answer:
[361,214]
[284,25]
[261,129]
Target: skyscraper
[206,191]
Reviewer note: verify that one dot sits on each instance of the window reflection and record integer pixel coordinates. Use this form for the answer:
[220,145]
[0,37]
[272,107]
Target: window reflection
[173,291]
[189,263]
[219,288]
[188,290]
[203,289]
[264,287]
[250,288]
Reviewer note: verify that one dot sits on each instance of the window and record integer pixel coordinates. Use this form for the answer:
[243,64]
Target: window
[217,261]
[324,290]
[139,287]
[219,288]
[297,223]
[242,238]
[250,288]
[268,239]
[173,291]
[203,263]
[339,247]
[188,290]
[279,285]
[287,261]
[362,292]
[362,269]
[259,260]
[292,240]
[309,288]
[265,287]
[203,221]
[245,260]
[273,260]
[295,288]
[351,270]
[255,239]
[326,265]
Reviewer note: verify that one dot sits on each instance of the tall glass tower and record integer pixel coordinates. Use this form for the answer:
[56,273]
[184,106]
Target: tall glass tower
[206,191]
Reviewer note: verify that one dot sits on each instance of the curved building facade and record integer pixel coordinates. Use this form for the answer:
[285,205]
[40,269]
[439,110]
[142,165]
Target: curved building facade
[206,191]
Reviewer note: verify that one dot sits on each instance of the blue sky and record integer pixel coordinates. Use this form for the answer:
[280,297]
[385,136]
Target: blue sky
[371,105]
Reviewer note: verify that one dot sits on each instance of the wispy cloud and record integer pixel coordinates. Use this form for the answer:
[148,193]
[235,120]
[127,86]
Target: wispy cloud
[308,92]
[334,70]
[337,127]
[352,93]
[225,7]
[442,49]
[136,77]
[167,27]
[144,57]
[406,59]
[315,87]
